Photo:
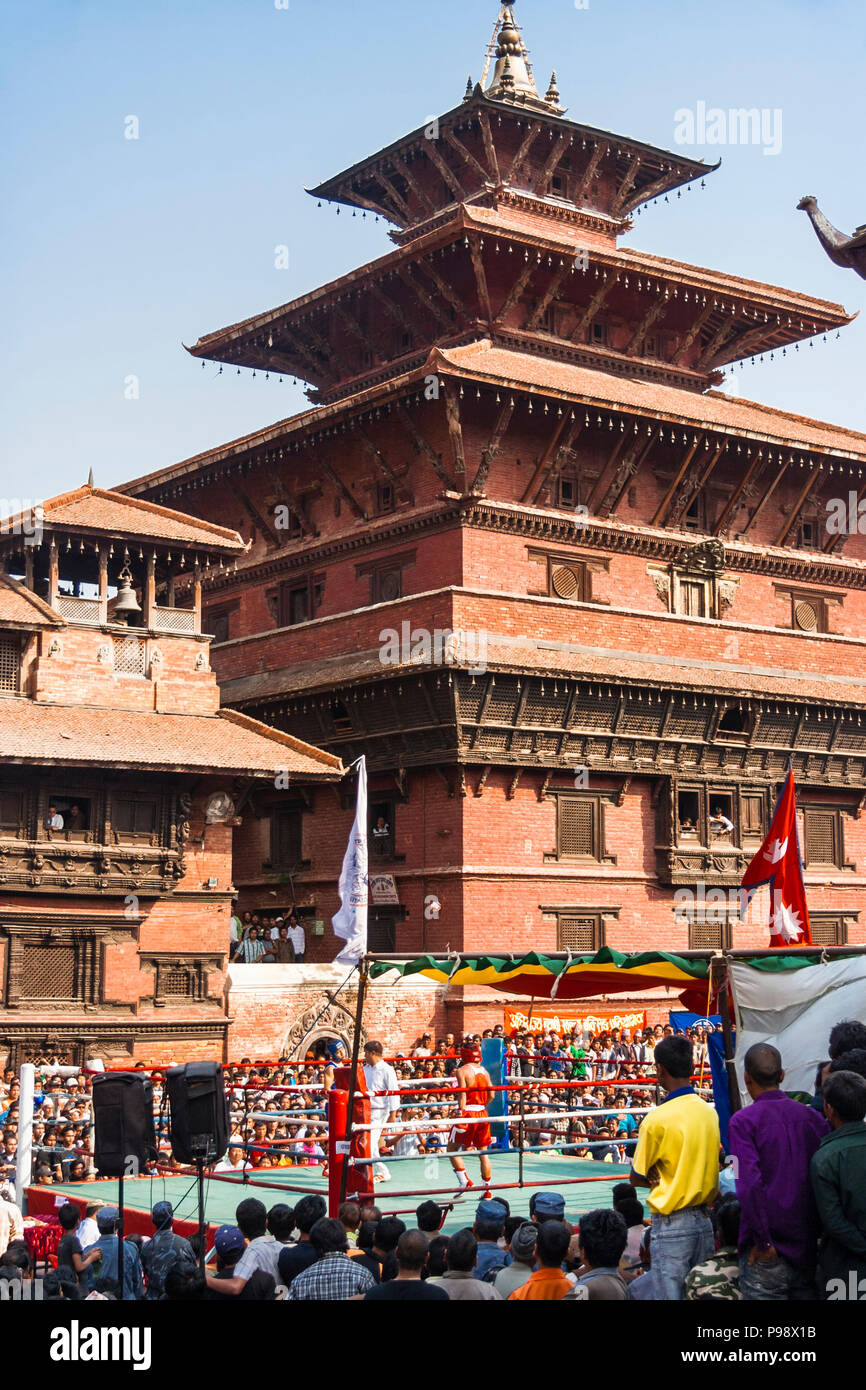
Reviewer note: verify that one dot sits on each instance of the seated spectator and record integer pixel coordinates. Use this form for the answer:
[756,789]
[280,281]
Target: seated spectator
[333,1275]
[520,1243]
[230,1246]
[407,1285]
[350,1215]
[546,1206]
[489,1227]
[459,1282]
[548,1283]
[718,1278]
[601,1241]
[292,1259]
[436,1265]
[429,1216]
[262,1251]
[631,1210]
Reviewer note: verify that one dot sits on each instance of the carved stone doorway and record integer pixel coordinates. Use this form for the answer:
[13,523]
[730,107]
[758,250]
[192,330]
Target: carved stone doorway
[332,1025]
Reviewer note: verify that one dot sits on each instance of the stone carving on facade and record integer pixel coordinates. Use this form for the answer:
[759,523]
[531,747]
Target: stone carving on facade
[334,1022]
[201,662]
[727,594]
[662,584]
[707,557]
[55,647]
[104,654]
[182,833]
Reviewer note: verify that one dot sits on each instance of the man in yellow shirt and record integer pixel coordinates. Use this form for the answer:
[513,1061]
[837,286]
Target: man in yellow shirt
[677,1158]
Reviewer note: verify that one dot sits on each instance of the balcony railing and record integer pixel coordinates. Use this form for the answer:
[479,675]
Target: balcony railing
[180,620]
[79,610]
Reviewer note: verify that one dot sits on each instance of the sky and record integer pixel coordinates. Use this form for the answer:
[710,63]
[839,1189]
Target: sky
[118,250]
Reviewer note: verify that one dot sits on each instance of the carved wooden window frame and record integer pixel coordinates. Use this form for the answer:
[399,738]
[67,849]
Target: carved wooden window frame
[89,936]
[197,968]
[582,566]
[597,802]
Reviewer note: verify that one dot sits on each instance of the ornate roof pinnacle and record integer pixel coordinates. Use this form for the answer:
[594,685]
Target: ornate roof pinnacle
[512,78]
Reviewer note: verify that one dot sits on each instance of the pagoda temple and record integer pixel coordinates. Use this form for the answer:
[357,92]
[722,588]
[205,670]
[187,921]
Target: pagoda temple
[576,605]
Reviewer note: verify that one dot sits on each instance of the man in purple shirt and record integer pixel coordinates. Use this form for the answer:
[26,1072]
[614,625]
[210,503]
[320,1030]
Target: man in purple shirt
[773,1141]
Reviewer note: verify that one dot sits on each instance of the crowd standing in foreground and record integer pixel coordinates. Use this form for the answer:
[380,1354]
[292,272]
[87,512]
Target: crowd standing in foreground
[791,1224]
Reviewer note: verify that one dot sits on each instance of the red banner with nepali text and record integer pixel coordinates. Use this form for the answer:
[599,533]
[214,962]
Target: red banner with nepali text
[598,1021]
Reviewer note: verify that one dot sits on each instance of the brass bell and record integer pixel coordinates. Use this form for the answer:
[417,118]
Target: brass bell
[126,603]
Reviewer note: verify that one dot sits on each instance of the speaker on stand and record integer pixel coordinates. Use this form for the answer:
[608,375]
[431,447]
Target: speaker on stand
[198,1122]
[124,1142]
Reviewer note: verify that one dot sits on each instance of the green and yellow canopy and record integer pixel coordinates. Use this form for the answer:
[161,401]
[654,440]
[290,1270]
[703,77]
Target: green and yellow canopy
[540,976]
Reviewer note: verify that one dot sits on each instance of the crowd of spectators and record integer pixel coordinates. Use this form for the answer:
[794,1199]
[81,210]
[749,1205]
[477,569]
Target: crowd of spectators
[786,1221]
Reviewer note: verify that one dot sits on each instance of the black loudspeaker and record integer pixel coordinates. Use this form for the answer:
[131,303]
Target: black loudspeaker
[199,1111]
[124,1141]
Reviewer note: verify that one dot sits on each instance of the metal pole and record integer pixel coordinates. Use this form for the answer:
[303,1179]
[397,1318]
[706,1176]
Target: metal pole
[356,1048]
[24,1161]
[728,1040]
[120,1229]
[199,1167]
[521,1132]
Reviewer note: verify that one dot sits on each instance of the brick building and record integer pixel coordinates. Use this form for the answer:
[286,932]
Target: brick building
[121,782]
[571,600]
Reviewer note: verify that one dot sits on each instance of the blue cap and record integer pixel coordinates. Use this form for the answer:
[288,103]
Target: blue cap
[162,1214]
[490,1210]
[228,1239]
[106,1217]
[550,1204]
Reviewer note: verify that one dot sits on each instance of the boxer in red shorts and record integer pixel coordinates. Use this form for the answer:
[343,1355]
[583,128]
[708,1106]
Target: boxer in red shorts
[476,1089]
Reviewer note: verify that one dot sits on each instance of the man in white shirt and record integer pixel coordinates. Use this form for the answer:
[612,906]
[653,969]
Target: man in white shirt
[234,1161]
[53,821]
[298,938]
[380,1076]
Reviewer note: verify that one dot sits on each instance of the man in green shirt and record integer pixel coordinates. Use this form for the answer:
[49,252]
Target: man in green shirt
[838,1172]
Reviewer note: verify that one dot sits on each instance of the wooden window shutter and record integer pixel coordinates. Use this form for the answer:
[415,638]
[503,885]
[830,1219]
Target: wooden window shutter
[577,827]
[822,837]
[583,934]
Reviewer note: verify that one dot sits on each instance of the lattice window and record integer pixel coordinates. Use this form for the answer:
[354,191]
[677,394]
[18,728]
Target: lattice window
[828,930]
[579,933]
[49,972]
[687,722]
[503,701]
[128,656]
[709,936]
[822,837]
[577,827]
[640,721]
[471,698]
[777,728]
[10,664]
[594,712]
[178,982]
[548,708]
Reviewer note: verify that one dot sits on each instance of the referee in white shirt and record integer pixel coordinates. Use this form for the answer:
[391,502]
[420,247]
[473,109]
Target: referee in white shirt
[380,1076]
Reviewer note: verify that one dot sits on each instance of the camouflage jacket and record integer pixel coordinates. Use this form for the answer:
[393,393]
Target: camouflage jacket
[716,1278]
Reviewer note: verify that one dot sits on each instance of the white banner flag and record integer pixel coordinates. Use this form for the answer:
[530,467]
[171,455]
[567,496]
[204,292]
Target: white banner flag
[350,923]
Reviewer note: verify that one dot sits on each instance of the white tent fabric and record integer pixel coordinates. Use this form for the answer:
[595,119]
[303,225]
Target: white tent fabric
[795,1010]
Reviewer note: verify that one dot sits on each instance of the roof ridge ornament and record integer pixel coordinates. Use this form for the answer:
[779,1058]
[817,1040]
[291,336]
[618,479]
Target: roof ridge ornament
[512,78]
